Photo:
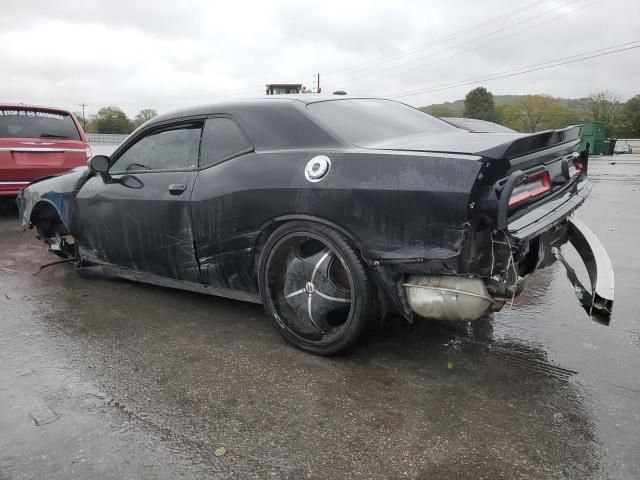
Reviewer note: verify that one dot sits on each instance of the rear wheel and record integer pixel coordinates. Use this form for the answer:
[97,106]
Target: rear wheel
[316,288]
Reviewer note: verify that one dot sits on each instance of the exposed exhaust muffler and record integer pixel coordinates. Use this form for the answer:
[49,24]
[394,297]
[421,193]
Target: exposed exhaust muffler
[439,297]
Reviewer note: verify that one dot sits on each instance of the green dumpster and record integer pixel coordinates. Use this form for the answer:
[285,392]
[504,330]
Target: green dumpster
[597,147]
[593,134]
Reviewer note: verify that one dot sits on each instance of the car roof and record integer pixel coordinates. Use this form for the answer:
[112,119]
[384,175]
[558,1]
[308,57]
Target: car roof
[272,122]
[35,107]
[259,102]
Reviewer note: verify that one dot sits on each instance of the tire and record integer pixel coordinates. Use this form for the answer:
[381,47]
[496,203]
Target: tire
[316,288]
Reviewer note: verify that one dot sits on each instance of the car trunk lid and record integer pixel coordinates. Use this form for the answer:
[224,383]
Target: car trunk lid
[452,141]
[491,146]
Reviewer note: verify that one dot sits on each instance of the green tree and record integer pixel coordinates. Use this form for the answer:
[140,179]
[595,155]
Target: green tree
[112,120]
[631,116]
[439,111]
[605,107]
[534,113]
[479,103]
[89,123]
[144,115]
[500,114]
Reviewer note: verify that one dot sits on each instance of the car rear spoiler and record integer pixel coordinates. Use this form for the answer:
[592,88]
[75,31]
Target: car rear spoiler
[533,143]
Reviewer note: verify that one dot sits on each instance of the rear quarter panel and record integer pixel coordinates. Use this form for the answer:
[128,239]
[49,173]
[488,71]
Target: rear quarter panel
[395,206]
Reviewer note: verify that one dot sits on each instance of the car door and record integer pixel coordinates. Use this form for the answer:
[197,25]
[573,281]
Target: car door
[138,217]
[223,258]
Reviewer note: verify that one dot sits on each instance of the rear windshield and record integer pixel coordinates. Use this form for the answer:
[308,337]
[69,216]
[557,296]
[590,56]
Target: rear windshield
[34,123]
[361,120]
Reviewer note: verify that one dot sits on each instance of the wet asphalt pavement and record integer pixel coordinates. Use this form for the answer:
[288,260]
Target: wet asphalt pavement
[112,379]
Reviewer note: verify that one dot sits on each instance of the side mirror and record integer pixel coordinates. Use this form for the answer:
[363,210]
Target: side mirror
[99,164]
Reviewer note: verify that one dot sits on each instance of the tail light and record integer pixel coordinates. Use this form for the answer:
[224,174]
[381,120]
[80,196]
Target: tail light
[531,186]
[88,151]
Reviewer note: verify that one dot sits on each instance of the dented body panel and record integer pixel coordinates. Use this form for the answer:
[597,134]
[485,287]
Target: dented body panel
[428,204]
[58,191]
[145,229]
[360,196]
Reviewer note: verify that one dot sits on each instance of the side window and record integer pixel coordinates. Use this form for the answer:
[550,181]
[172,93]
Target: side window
[222,139]
[166,150]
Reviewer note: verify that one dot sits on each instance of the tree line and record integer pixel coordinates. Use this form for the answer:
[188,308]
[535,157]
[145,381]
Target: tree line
[113,120]
[527,113]
[534,113]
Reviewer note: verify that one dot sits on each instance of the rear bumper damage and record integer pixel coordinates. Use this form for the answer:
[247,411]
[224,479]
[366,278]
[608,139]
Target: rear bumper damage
[443,297]
[597,300]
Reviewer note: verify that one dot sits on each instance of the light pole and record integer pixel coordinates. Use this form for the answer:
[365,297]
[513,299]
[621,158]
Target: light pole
[84,121]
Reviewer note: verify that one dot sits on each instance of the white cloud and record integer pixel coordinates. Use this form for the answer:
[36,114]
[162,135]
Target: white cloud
[139,54]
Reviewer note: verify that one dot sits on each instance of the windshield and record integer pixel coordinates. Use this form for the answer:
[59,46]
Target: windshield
[34,123]
[362,120]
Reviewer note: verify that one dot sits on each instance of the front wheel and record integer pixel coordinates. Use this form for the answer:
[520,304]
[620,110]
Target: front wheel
[316,288]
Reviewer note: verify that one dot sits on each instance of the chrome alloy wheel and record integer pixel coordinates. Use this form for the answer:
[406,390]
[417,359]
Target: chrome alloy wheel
[310,287]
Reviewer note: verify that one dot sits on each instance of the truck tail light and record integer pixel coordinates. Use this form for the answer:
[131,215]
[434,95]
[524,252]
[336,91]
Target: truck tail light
[531,186]
[88,152]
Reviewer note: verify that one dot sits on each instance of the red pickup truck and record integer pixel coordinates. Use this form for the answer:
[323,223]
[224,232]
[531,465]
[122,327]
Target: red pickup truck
[36,142]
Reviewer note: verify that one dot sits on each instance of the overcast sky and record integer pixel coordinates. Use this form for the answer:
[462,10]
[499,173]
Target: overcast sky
[153,54]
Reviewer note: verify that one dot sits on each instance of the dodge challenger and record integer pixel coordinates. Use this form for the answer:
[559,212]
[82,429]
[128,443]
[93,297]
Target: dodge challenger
[330,211]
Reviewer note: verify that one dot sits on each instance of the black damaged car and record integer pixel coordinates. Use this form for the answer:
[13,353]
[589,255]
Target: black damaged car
[330,211]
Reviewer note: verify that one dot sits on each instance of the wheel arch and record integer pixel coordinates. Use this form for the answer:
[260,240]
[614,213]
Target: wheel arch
[44,215]
[273,224]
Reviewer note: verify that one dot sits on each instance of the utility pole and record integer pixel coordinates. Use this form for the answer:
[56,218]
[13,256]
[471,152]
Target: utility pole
[318,90]
[84,121]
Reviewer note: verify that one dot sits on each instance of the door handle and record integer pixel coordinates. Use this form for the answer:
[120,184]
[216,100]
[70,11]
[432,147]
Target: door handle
[177,188]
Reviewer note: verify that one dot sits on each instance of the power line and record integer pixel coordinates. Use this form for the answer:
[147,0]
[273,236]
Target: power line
[531,68]
[476,47]
[514,70]
[488,76]
[394,68]
[412,51]
[493,20]
[439,40]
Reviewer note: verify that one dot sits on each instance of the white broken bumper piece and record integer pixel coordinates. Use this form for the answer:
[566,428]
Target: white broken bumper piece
[597,299]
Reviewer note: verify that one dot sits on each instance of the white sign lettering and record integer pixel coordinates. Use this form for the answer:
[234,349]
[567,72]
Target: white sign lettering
[30,113]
